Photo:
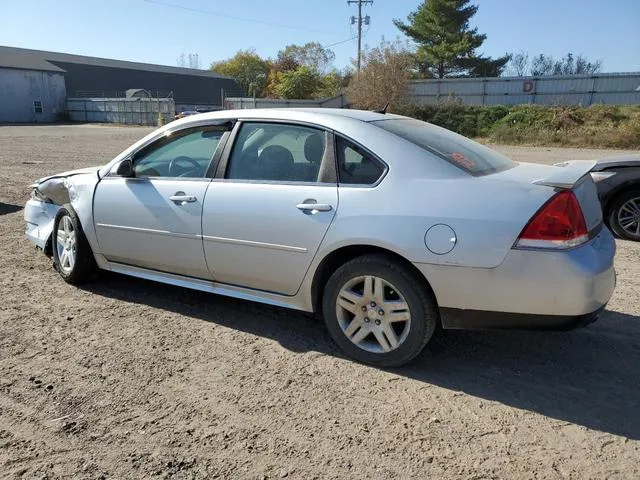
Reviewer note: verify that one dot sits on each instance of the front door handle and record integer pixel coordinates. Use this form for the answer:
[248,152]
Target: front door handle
[314,208]
[181,199]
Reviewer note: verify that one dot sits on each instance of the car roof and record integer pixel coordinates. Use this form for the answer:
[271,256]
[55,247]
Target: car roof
[323,116]
[355,125]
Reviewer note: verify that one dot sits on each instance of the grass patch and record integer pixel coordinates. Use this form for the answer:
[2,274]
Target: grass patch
[598,126]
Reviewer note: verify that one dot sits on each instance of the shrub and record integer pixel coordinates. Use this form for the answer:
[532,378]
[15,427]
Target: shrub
[607,114]
[488,116]
[603,126]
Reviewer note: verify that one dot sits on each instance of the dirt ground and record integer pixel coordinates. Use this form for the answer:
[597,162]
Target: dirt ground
[125,378]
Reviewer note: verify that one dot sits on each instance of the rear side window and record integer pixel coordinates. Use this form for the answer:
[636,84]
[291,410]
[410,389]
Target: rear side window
[466,154]
[277,152]
[355,165]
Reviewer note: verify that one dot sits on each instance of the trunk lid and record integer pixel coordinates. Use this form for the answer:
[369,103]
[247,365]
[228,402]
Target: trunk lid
[573,175]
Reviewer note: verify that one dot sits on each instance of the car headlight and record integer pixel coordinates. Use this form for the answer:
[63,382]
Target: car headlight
[600,176]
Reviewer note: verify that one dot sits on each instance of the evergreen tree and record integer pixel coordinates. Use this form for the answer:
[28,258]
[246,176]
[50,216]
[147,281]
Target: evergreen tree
[446,44]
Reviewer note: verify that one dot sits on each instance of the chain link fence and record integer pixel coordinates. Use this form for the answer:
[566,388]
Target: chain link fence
[134,107]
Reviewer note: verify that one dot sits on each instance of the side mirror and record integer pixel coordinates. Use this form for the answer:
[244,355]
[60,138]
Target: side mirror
[125,169]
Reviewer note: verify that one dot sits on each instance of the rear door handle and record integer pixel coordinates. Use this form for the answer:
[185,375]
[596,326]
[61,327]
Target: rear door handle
[314,208]
[180,198]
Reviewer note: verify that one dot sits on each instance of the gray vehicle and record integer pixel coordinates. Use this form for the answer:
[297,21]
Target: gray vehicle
[618,182]
[388,226]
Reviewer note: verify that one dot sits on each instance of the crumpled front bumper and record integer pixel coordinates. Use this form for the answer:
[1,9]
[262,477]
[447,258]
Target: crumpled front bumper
[39,217]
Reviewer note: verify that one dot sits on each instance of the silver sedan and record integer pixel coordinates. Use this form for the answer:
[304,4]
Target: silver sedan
[388,226]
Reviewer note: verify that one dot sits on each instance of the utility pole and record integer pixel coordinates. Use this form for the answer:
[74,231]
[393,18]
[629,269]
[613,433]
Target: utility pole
[360,22]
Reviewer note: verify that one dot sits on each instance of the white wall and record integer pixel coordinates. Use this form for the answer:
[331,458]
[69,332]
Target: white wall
[20,88]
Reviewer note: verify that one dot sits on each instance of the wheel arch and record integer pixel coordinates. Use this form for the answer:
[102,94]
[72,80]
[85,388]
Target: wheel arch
[613,195]
[48,246]
[338,257]
[76,190]
[84,265]
[82,190]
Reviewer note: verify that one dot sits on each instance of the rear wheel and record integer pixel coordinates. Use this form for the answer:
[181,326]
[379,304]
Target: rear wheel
[378,311]
[624,215]
[72,255]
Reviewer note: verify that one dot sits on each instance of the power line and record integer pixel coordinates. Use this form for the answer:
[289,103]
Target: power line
[359,21]
[233,17]
[340,42]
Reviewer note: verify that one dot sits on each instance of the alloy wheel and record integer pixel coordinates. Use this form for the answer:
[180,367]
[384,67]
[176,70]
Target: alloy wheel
[66,244]
[373,314]
[629,216]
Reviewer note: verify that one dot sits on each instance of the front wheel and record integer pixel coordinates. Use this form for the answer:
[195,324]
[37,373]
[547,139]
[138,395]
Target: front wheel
[378,311]
[72,255]
[624,215]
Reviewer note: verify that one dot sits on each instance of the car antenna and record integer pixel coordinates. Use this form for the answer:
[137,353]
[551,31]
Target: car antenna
[384,110]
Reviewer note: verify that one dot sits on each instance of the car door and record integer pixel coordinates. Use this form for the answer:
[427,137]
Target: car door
[266,212]
[152,218]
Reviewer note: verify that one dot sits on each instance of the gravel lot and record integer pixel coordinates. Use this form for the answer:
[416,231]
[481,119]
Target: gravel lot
[130,379]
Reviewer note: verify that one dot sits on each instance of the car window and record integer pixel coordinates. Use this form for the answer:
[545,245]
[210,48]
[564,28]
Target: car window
[465,154]
[187,156]
[355,165]
[277,152]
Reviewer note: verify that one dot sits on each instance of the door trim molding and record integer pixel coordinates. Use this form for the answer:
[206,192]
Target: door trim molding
[250,243]
[232,241]
[148,230]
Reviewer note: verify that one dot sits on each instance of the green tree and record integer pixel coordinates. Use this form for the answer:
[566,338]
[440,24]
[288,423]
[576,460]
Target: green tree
[332,84]
[446,43]
[248,68]
[315,59]
[312,55]
[301,83]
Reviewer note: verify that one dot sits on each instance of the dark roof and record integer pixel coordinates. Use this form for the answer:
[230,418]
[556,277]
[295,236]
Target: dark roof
[28,55]
[20,62]
[106,76]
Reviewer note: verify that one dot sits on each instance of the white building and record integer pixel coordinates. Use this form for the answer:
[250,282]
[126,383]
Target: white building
[31,90]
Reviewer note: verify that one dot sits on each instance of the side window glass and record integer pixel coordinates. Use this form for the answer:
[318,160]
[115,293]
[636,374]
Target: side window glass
[277,152]
[187,156]
[355,165]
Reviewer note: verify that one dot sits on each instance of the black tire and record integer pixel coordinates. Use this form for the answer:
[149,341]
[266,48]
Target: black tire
[614,211]
[422,308]
[84,268]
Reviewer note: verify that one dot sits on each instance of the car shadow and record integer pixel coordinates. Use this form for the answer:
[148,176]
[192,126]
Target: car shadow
[589,377]
[7,208]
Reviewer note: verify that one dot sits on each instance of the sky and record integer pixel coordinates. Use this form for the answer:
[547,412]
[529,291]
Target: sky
[154,31]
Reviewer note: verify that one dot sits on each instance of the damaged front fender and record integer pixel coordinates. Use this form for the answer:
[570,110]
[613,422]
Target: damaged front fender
[50,193]
[54,187]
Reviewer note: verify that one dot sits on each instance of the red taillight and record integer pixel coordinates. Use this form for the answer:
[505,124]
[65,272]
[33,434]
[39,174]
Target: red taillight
[558,224]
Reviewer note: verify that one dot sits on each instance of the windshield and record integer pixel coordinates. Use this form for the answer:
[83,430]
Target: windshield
[466,154]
